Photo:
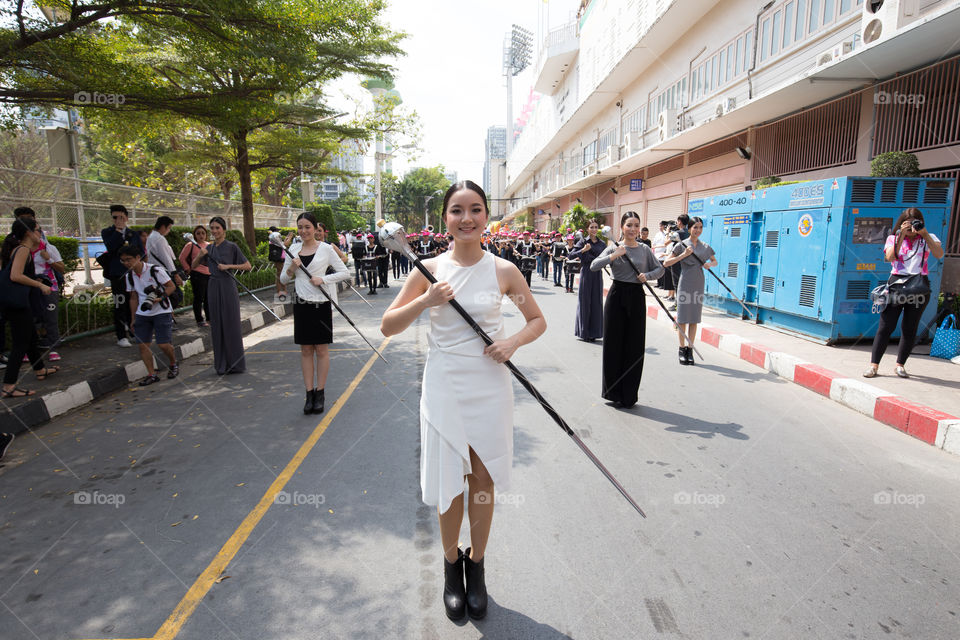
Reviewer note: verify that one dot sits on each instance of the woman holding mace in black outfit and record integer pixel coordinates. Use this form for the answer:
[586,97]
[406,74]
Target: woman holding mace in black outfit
[589,323]
[312,311]
[625,312]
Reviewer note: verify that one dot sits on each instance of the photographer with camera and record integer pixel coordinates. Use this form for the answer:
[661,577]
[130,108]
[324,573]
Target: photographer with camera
[908,287]
[113,238]
[149,288]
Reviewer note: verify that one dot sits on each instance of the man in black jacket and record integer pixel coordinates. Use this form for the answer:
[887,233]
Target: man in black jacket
[115,237]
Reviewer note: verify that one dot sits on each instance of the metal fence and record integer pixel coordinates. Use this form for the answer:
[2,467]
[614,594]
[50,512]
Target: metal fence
[61,202]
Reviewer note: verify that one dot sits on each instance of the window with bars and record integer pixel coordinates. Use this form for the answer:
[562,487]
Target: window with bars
[590,153]
[636,121]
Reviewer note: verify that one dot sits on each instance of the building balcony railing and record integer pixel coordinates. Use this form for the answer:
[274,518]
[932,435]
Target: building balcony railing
[557,52]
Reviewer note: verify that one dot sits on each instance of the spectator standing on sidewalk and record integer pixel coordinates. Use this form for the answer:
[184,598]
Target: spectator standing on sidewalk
[149,288]
[199,277]
[16,286]
[908,251]
[160,253]
[115,237]
[220,257]
[47,264]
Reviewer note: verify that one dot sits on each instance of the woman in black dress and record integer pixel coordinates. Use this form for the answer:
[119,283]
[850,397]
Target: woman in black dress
[220,256]
[312,311]
[625,312]
[589,322]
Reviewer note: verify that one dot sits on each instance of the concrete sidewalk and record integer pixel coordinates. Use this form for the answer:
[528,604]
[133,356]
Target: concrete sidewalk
[926,405]
[94,366]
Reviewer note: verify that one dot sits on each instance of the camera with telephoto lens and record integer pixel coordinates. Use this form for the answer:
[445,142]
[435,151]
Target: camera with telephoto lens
[153,295]
[917,224]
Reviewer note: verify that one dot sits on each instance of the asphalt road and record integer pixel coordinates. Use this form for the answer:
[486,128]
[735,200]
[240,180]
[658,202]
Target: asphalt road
[210,507]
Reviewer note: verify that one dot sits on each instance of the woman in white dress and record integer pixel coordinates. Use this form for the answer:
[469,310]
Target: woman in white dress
[466,403]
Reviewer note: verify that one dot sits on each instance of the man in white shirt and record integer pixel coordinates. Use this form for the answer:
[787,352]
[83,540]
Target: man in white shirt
[159,251]
[147,288]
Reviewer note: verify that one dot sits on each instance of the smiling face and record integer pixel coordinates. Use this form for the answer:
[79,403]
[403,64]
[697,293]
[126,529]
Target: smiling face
[217,230]
[465,216]
[695,230]
[593,228]
[306,229]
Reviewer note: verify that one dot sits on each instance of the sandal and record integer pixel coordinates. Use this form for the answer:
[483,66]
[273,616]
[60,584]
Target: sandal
[147,381]
[47,371]
[17,392]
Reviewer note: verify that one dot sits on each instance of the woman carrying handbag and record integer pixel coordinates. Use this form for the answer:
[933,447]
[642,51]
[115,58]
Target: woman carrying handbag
[908,287]
[17,278]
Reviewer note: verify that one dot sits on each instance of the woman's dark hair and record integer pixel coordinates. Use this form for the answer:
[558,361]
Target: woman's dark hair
[626,216]
[220,221]
[309,217]
[320,225]
[908,214]
[17,233]
[465,184]
[694,220]
[684,219]
[199,227]
[593,221]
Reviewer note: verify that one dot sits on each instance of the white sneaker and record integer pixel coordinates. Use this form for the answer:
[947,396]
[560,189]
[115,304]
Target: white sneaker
[123,342]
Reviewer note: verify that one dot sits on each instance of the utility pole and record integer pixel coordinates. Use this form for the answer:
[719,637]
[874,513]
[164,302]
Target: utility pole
[517,47]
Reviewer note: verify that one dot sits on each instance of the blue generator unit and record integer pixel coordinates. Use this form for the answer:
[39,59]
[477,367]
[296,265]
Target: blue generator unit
[805,256]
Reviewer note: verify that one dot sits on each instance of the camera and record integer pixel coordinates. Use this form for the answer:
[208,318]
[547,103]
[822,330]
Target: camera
[153,294]
[917,224]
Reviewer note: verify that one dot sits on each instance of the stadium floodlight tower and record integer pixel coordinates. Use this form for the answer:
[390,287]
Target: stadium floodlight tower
[517,47]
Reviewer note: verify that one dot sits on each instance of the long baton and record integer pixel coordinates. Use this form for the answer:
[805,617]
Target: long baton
[399,244]
[336,306]
[723,284]
[235,279]
[657,298]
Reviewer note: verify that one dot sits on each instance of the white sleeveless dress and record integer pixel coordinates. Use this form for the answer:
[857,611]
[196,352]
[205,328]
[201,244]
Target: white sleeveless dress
[467,399]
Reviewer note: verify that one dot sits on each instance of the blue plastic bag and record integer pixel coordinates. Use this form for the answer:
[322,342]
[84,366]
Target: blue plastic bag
[946,341]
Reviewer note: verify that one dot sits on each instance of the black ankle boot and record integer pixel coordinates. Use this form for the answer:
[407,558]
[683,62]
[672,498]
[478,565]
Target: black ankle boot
[690,356]
[318,401]
[308,405]
[683,355]
[454,594]
[476,587]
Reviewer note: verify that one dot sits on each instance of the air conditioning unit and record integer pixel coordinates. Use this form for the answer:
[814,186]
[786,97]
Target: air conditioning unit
[613,153]
[666,124]
[634,142]
[684,122]
[883,18]
[834,53]
[731,105]
[588,170]
[719,109]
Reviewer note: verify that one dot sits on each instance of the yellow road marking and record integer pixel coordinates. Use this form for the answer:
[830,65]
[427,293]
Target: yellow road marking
[206,580]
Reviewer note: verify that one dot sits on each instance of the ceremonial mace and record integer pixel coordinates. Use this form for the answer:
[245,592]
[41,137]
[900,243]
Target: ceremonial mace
[278,242]
[392,236]
[606,232]
[189,238]
[274,238]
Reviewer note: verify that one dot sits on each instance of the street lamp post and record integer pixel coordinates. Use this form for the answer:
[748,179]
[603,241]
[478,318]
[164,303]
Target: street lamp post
[426,205]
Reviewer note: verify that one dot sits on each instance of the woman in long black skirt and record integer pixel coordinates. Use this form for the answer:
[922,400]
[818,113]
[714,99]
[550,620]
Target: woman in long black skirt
[589,322]
[625,312]
[221,256]
[312,311]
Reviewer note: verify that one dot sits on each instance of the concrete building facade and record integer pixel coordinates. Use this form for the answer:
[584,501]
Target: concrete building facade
[648,104]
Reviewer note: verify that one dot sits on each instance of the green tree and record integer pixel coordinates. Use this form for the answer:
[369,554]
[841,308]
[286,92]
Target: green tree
[237,77]
[579,217]
[412,193]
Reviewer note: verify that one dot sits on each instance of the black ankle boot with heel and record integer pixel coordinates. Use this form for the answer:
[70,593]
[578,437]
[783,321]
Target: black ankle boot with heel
[308,405]
[689,351]
[318,401]
[454,594]
[476,587]
[683,355]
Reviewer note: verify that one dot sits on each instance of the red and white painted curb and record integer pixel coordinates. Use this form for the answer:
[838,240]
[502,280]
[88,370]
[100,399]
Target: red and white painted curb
[934,427]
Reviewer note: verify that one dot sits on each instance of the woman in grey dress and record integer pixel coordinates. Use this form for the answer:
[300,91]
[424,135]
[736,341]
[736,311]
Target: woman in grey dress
[690,286]
[220,256]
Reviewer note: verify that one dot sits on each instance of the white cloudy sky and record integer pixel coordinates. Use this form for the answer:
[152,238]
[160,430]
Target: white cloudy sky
[452,73]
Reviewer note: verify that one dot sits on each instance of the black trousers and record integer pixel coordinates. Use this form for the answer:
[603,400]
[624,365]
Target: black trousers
[526,275]
[121,309]
[24,340]
[908,329]
[624,342]
[198,282]
[395,263]
[382,266]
